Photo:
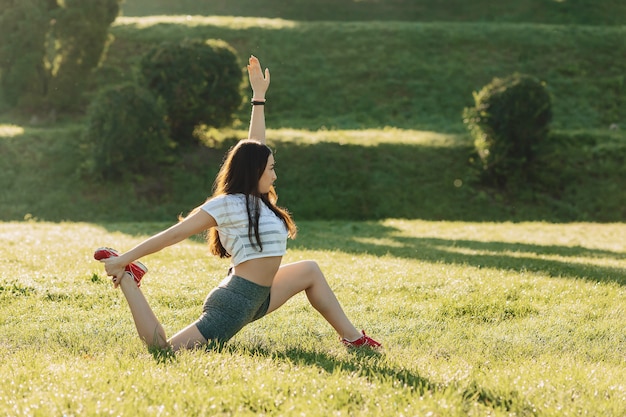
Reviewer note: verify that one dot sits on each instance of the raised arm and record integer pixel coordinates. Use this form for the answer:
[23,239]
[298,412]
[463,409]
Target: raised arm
[259,83]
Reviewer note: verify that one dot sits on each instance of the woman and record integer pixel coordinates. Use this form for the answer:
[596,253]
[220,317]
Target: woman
[245,224]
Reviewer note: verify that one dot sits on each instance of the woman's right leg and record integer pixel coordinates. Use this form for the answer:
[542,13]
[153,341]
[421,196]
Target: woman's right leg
[148,326]
[306,276]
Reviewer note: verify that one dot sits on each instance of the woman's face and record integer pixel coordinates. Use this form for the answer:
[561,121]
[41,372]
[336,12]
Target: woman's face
[268,177]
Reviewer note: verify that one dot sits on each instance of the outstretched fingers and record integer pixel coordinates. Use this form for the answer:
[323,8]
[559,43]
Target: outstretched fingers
[259,79]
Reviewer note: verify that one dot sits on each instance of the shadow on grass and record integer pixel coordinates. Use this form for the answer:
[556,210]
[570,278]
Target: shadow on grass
[355,238]
[350,238]
[363,362]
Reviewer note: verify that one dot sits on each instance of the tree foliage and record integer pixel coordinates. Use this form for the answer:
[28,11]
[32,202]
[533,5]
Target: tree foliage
[48,49]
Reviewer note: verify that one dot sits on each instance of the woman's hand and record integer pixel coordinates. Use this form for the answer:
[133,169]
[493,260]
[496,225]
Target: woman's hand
[114,268]
[258,81]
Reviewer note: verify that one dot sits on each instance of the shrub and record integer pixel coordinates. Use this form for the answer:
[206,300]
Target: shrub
[200,82]
[510,118]
[126,133]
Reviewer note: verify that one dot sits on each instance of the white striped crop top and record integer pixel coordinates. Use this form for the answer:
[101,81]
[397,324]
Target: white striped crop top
[229,211]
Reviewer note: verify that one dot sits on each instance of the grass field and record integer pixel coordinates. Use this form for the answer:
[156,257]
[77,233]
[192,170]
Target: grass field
[487,304]
[477,319]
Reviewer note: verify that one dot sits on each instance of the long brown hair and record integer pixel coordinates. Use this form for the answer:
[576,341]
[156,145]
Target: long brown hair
[240,173]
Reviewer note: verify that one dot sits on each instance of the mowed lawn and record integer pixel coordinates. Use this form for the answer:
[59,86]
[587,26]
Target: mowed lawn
[498,319]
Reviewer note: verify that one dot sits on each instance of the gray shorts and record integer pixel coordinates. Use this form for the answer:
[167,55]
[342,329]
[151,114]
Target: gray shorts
[233,304]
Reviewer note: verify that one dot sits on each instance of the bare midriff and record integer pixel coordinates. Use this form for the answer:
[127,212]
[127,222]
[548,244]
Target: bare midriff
[261,271]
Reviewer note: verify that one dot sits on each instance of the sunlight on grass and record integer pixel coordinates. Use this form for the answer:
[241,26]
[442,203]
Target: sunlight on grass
[521,254]
[8,131]
[368,137]
[607,236]
[476,318]
[364,137]
[230,22]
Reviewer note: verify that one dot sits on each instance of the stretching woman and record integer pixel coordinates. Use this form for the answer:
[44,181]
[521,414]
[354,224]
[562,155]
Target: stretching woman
[245,224]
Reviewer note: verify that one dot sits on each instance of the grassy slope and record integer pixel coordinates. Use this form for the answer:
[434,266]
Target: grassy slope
[415,75]
[359,75]
[393,173]
[407,75]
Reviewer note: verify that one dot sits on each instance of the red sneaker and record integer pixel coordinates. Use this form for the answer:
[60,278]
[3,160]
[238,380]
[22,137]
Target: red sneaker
[363,341]
[136,269]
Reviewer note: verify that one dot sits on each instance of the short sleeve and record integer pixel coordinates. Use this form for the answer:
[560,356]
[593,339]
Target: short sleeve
[217,207]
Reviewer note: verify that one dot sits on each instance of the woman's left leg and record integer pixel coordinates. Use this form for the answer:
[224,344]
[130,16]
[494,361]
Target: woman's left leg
[148,326]
[307,276]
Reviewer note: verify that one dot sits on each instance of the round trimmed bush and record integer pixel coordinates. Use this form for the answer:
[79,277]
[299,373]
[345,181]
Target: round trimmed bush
[199,81]
[510,118]
[126,133]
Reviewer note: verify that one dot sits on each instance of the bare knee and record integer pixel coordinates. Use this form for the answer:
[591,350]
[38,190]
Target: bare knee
[312,271]
[314,274]
[312,267]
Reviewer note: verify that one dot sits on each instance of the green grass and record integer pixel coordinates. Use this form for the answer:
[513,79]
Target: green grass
[477,319]
[486,304]
[339,174]
[407,64]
